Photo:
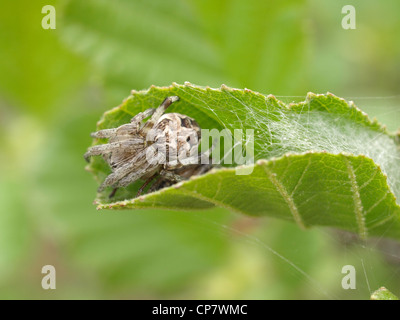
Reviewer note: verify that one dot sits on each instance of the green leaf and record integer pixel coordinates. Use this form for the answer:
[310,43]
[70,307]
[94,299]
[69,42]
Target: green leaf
[321,162]
[383,294]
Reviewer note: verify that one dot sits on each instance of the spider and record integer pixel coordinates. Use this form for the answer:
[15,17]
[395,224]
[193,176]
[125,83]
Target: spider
[163,147]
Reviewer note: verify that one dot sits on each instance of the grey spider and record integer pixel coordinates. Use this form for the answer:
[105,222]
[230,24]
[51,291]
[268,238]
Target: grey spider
[163,147]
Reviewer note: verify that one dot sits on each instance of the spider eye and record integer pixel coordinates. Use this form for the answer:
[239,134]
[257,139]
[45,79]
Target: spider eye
[185,122]
[187,139]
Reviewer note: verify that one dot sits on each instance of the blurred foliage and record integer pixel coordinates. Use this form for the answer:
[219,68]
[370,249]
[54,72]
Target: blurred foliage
[55,84]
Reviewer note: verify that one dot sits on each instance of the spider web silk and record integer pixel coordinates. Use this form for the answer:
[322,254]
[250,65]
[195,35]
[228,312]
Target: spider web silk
[278,132]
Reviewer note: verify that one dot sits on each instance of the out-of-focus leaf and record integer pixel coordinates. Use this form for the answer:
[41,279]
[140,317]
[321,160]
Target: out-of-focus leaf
[38,72]
[138,43]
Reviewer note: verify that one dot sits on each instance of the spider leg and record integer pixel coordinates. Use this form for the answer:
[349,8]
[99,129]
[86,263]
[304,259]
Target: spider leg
[204,168]
[171,176]
[112,194]
[158,112]
[156,184]
[136,120]
[135,123]
[146,169]
[145,184]
[131,171]
[130,168]
[105,133]
[114,179]
[110,147]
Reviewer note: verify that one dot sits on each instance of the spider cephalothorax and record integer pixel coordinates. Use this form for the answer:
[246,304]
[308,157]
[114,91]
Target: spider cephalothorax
[165,146]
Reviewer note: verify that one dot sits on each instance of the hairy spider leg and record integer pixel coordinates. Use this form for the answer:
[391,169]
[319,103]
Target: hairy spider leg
[112,194]
[110,147]
[158,113]
[165,176]
[145,184]
[105,133]
[156,184]
[144,168]
[137,162]
[134,124]
[171,176]
[137,120]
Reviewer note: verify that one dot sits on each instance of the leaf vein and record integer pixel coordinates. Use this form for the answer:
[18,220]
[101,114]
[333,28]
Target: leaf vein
[301,178]
[285,195]
[358,207]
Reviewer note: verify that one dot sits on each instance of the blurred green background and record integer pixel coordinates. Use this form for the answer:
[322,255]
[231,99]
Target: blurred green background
[55,84]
